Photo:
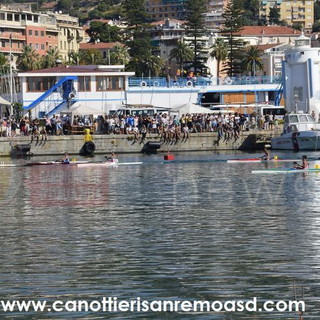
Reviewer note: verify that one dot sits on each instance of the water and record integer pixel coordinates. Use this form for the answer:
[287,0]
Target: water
[179,231]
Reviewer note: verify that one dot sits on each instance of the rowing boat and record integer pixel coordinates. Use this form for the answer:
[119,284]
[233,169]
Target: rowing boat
[6,165]
[97,164]
[257,160]
[46,163]
[284,170]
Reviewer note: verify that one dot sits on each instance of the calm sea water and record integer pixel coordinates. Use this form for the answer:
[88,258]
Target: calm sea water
[178,231]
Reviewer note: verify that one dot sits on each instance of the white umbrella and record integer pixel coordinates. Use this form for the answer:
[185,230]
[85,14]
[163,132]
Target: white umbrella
[190,108]
[4,101]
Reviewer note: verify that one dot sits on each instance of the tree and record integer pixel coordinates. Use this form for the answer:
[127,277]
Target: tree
[29,59]
[135,13]
[219,52]
[316,10]
[119,55]
[92,56]
[77,58]
[181,53]
[297,26]
[51,58]
[136,35]
[252,60]
[4,64]
[152,65]
[274,15]
[233,22]
[195,10]
[251,12]
[65,5]
[103,32]
[316,27]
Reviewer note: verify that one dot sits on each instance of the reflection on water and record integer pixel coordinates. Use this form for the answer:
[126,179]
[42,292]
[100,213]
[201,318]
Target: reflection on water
[204,231]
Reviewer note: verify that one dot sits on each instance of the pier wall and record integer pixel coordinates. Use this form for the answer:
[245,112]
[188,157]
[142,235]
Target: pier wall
[105,144]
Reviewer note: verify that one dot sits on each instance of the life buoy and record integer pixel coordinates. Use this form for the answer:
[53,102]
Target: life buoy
[228,81]
[156,84]
[143,84]
[189,83]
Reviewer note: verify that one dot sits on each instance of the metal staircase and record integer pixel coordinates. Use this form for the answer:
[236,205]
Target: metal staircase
[278,93]
[62,94]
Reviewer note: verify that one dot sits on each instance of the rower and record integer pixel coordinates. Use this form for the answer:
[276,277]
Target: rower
[65,158]
[112,158]
[266,155]
[304,165]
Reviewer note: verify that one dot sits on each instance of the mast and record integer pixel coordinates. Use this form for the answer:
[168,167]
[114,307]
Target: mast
[10,76]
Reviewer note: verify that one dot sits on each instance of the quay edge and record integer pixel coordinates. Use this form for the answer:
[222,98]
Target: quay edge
[105,144]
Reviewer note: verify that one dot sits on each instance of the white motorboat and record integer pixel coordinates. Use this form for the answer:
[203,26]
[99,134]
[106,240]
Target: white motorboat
[300,132]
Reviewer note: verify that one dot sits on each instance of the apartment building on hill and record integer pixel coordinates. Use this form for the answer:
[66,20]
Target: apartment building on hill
[161,9]
[292,11]
[42,31]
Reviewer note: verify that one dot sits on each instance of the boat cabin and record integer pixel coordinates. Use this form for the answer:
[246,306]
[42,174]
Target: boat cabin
[294,122]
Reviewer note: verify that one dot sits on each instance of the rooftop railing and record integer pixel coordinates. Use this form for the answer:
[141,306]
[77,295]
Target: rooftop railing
[201,81]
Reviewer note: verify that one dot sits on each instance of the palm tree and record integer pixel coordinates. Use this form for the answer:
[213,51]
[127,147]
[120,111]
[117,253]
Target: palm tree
[220,53]
[92,56]
[29,59]
[252,59]
[152,65]
[119,55]
[181,53]
[77,58]
[4,64]
[50,60]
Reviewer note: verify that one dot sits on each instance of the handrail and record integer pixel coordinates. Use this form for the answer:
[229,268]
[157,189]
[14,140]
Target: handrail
[54,88]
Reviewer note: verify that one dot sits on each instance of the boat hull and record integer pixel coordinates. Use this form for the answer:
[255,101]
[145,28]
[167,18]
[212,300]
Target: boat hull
[303,140]
[261,161]
[284,170]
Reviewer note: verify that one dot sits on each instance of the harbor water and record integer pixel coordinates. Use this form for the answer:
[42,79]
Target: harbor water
[191,230]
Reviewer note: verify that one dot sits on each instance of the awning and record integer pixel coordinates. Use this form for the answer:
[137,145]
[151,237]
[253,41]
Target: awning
[4,101]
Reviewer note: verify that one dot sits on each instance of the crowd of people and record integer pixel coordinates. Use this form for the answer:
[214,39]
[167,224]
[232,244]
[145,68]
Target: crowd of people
[170,127]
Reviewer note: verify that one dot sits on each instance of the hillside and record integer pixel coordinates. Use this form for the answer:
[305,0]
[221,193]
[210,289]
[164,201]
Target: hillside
[83,9]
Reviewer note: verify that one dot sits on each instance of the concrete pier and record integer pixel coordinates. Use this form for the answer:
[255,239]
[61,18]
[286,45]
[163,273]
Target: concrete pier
[105,144]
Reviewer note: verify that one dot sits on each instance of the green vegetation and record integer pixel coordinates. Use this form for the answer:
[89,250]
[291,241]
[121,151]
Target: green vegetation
[234,21]
[252,61]
[181,53]
[195,10]
[220,52]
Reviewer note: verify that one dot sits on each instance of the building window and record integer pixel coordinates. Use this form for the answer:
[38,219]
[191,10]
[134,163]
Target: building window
[30,32]
[36,46]
[36,84]
[9,17]
[36,33]
[42,33]
[16,18]
[42,46]
[102,83]
[109,83]
[2,16]
[84,84]
[3,43]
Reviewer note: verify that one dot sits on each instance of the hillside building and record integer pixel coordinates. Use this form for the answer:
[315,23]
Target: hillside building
[293,12]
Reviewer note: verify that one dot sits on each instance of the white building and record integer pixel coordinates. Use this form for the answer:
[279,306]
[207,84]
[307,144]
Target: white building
[301,77]
[100,87]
